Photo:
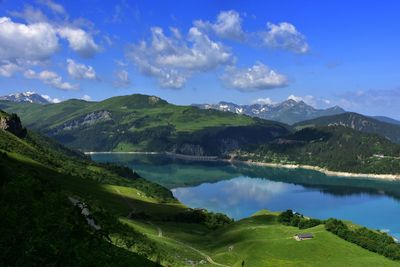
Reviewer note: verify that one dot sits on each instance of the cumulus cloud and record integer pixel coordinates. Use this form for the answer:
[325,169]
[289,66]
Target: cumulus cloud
[308,99]
[86,97]
[80,71]
[79,41]
[51,100]
[50,78]
[7,68]
[21,42]
[264,101]
[172,59]
[378,101]
[228,25]
[258,77]
[295,98]
[284,36]
[55,7]
[121,79]
[30,14]
[29,44]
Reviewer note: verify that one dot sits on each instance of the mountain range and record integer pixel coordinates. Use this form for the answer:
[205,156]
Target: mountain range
[60,208]
[289,111]
[26,97]
[148,123]
[357,122]
[144,123]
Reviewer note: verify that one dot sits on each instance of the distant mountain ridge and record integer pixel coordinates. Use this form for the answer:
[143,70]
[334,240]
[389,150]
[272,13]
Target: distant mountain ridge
[28,97]
[145,123]
[357,122]
[289,111]
[386,119]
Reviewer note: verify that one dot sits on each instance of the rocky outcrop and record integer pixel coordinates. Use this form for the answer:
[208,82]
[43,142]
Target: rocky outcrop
[85,120]
[12,123]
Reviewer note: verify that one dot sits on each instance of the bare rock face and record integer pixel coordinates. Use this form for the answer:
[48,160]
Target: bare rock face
[12,123]
[85,120]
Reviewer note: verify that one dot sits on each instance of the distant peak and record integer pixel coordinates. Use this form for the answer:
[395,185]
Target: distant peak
[28,97]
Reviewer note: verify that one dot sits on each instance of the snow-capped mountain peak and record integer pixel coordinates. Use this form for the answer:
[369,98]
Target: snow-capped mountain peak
[289,111]
[29,97]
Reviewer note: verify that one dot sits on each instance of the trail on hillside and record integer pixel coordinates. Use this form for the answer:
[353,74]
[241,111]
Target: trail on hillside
[160,234]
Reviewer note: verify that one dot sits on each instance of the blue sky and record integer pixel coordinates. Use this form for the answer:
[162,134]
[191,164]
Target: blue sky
[325,52]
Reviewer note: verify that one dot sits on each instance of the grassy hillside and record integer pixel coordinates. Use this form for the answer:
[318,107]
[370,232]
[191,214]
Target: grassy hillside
[144,123]
[40,226]
[138,220]
[357,122]
[335,148]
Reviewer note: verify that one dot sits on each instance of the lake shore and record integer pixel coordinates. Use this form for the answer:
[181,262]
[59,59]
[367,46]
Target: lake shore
[391,177]
[116,152]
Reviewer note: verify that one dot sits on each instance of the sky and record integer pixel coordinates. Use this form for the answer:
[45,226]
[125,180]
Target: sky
[325,53]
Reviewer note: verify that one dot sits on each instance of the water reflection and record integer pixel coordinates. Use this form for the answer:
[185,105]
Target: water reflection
[240,197]
[174,173]
[240,190]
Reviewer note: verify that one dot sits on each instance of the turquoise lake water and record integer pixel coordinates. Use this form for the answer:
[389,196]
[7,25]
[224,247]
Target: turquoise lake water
[240,190]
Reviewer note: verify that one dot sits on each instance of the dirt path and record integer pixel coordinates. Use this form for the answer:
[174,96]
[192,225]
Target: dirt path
[207,257]
[160,234]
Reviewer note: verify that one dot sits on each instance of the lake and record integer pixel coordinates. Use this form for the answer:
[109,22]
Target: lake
[239,190]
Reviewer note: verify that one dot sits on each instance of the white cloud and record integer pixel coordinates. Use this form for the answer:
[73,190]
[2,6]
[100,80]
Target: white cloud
[172,60]
[308,99]
[86,97]
[57,8]
[228,25]
[176,32]
[121,63]
[370,101]
[203,55]
[30,14]
[51,100]
[50,78]
[7,68]
[285,36]
[121,79]
[20,42]
[264,101]
[79,41]
[257,77]
[30,44]
[80,71]
[295,98]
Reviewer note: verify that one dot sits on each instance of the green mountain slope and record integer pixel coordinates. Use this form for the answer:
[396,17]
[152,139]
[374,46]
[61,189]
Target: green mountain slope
[41,225]
[144,123]
[358,122]
[335,148]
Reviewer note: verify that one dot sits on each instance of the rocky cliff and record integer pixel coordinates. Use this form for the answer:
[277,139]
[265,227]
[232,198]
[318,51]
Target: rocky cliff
[12,124]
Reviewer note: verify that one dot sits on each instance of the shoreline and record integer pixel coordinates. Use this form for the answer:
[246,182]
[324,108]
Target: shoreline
[116,152]
[389,177]
[392,177]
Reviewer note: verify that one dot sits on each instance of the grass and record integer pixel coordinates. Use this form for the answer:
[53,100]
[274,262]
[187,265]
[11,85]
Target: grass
[136,122]
[259,240]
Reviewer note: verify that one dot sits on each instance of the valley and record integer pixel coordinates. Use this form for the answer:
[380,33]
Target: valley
[146,221]
[199,133]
